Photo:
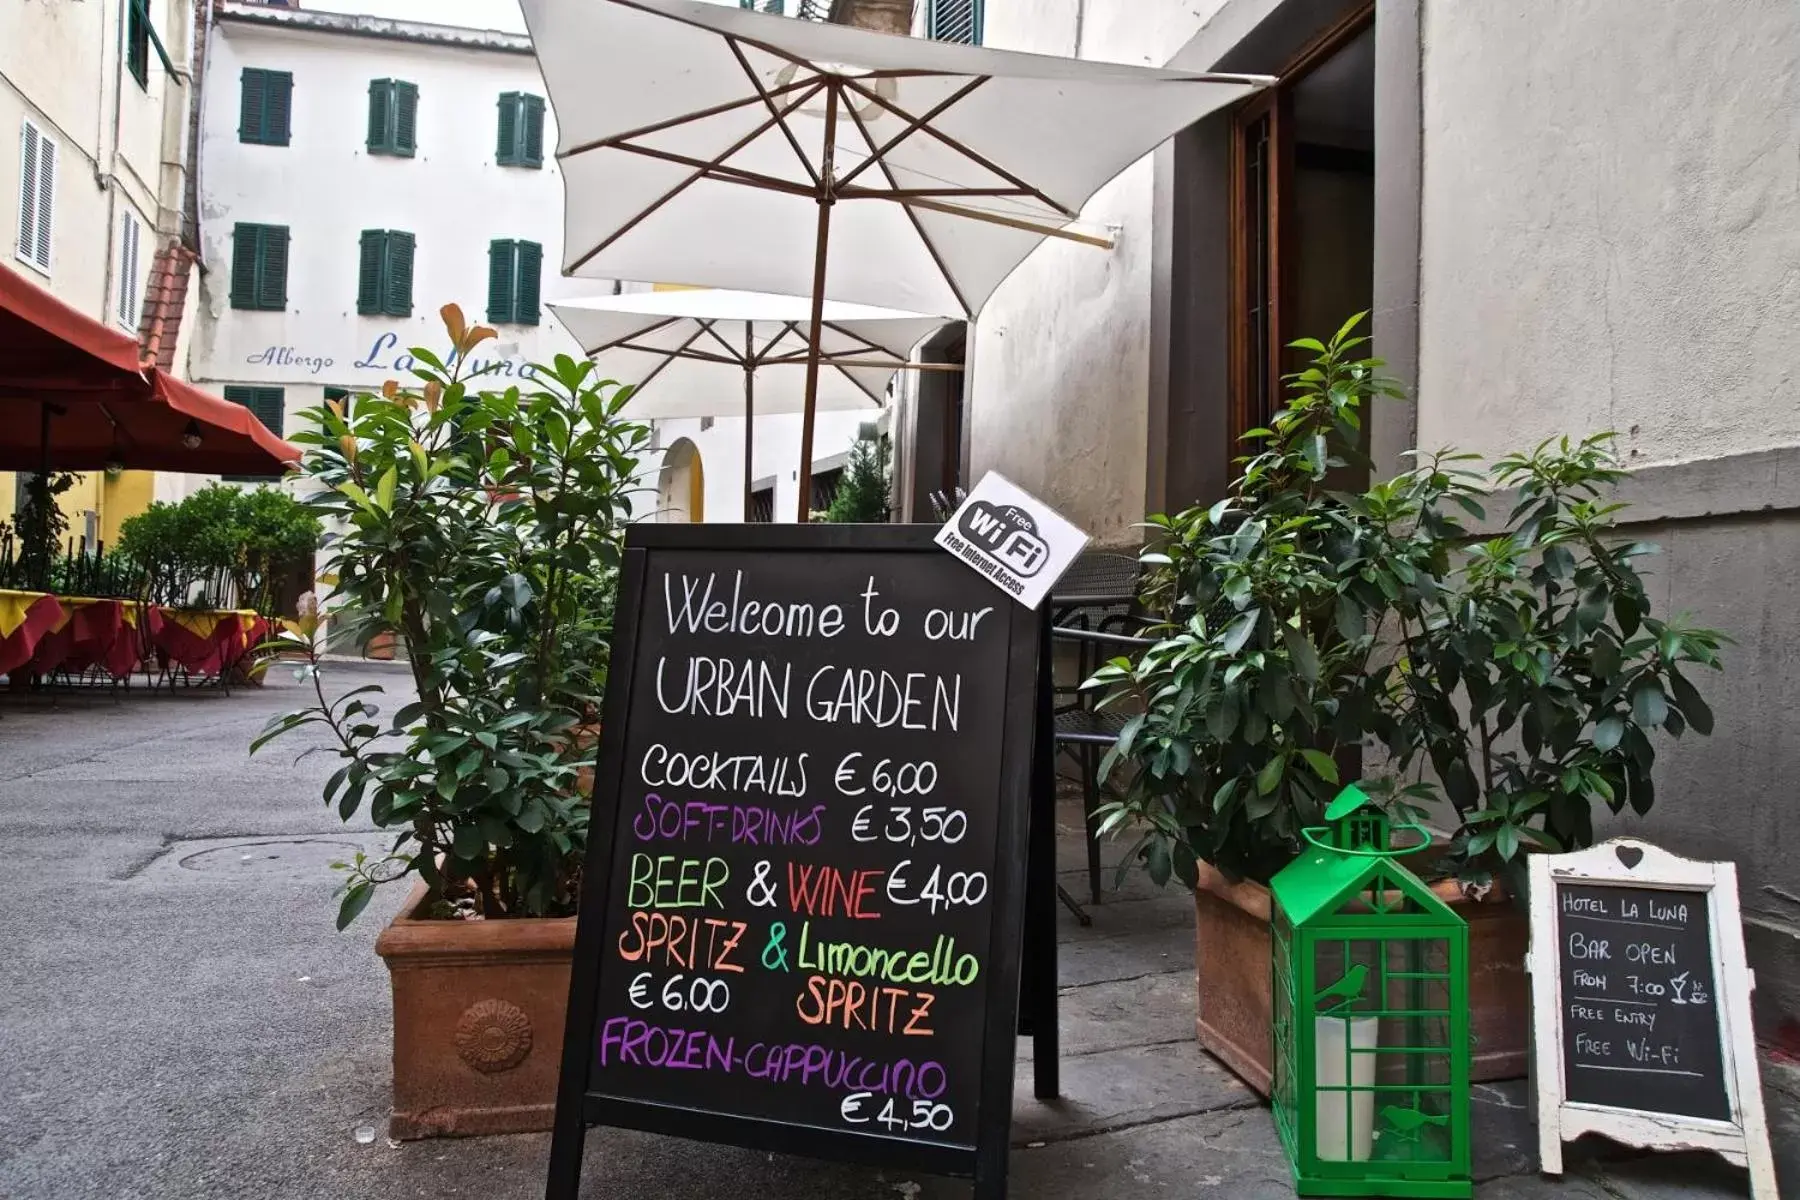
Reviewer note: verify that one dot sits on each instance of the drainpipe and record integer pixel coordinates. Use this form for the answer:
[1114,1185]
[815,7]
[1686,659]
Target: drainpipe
[109,183]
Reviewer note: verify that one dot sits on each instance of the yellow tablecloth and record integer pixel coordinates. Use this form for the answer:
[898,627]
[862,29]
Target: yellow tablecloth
[13,607]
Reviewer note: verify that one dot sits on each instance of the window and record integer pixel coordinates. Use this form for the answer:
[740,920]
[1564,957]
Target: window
[385,273]
[706,423]
[521,131]
[270,406]
[825,486]
[393,117]
[1301,250]
[37,195]
[131,277]
[259,259]
[762,505]
[263,109]
[137,40]
[954,21]
[268,403]
[515,270]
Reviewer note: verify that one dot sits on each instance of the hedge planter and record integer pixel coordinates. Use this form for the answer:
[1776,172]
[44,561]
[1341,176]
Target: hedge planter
[478,1021]
[1231,961]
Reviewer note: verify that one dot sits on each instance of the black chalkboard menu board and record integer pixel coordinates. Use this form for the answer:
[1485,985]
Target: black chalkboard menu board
[1640,1020]
[801,923]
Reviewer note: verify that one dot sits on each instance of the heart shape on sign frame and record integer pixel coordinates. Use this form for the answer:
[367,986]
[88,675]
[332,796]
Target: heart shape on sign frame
[1631,856]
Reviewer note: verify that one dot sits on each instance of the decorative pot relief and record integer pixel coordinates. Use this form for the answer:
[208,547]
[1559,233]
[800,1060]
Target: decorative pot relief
[493,1036]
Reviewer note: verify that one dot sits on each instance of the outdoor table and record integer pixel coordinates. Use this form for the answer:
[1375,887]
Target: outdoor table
[93,631]
[205,641]
[25,617]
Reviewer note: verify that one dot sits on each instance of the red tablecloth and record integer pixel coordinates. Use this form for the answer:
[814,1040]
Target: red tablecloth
[25,617]
[93,632]
[205,642]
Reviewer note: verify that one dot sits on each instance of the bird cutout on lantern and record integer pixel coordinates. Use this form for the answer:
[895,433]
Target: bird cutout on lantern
[1348,990]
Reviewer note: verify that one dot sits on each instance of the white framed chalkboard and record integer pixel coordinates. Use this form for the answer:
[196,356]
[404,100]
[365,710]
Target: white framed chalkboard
[1641,1007]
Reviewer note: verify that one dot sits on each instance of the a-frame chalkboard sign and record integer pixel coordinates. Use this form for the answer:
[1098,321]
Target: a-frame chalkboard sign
[808,854]
[1641,1007]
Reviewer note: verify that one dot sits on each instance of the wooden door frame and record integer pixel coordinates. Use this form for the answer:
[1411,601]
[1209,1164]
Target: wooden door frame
[1246,409]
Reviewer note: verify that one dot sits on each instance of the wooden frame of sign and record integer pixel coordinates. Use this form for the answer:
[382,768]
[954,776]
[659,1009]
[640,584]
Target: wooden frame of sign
[749,1074]
[1637,960]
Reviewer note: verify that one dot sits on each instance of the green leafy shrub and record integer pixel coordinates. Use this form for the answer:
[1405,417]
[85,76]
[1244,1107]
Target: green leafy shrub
[862,496]
[485,529]
[1511,669]
[220,546]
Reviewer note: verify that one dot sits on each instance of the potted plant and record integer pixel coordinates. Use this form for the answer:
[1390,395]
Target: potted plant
[1496,676]
[484,528]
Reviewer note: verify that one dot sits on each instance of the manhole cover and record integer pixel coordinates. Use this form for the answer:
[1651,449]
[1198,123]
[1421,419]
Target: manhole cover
[303,856]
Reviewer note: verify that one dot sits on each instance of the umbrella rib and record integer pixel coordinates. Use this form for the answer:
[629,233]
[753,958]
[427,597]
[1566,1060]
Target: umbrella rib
[762,356]
[683,119]
[864,193]
[794,142]
[644,214]
[856,383]
[736,359]
[918,226]
[862,342]
[913,125]
[716,169]
[972,155]
[636,333]
[673,355]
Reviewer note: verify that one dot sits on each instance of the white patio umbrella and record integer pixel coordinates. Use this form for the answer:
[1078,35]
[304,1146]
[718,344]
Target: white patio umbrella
[715,353]
[709,145]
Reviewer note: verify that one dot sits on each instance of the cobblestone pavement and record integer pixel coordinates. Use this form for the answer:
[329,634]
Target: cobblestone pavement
[178,1018]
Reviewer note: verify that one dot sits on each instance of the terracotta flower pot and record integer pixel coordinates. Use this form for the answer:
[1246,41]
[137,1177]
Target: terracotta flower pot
[478,1021]
[1232,969]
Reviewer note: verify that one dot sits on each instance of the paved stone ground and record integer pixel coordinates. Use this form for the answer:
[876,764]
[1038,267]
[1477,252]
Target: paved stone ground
[178,1018]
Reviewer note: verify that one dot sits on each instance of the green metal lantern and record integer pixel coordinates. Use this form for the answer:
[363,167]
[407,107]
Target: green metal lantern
[1371,1017]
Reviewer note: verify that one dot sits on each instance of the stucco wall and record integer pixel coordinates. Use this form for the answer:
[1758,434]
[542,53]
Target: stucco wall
[62,67]
[327,188]
[1611,224]
[1611,240]
[1060,362]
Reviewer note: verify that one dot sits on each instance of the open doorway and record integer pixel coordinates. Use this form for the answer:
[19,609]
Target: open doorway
[936,462]
[681,485]
[1302,180]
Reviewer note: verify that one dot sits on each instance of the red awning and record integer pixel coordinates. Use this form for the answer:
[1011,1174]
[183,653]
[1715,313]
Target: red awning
[104,407]
[46,346]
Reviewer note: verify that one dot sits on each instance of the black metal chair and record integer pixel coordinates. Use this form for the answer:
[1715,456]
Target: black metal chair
[1092,609]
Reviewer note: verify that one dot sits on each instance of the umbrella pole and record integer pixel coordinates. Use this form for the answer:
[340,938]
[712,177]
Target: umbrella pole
[749,424]
[818,302]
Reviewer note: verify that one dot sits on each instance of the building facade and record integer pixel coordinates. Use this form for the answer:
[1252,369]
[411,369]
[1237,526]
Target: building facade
[95,105]
[1564,219]
[356,175]
[359,173]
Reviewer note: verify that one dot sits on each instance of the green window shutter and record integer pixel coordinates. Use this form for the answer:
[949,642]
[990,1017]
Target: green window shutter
[381,105]
[137,41]
[398,284]
[268,403]
[501,254]
[527,282]
[264,107]
[506,147]
[533,120]
[253,105]
[955,21]
[271,268]
[245,243]
[406,118]
[270,407]
[368,272]
[277,124]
